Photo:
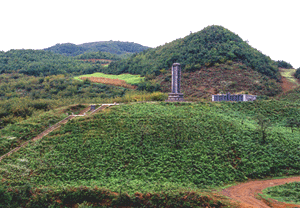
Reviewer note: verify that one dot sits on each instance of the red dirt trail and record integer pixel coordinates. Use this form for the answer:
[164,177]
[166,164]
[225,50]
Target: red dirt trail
[287,85]
[245,193]
[52,128]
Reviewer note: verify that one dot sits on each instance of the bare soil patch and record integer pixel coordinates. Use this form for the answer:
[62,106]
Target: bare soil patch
[235,78]
[115,82]
[287,85]
[246,193]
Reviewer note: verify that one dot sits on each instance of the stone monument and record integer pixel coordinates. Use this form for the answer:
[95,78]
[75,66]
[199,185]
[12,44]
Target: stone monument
[175,94]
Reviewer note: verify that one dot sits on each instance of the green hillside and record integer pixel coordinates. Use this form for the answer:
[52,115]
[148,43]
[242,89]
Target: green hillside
[165,148]
[22,95]
[208,47]
[113,47]
[98,55]
[42,63]
[292,95]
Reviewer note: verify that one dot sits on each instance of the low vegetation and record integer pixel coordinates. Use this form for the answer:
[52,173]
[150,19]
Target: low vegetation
[288,193]
[292,95]
[164,149]
[14,135]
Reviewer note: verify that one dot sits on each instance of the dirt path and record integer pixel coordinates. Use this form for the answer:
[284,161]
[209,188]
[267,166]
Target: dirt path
[245,193]
[55,126]
[287,85]
[289,82]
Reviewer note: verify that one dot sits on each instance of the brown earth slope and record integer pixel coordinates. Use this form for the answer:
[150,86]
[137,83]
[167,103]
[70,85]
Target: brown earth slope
[223,78]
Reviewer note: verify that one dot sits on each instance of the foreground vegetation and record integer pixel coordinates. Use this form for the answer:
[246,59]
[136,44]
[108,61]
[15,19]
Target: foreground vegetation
[169,149]
[288,192]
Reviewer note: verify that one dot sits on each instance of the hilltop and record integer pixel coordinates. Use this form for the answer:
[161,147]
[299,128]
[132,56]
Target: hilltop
[113,47]
[209,47]
[213,60]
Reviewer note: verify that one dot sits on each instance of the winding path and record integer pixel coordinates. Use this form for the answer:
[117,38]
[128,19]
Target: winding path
[55,126]
[245,193]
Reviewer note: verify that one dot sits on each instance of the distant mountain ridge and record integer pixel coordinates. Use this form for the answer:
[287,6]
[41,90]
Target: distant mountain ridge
[114,47]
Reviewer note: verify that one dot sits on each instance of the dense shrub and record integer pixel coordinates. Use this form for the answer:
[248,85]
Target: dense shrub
[42,63]
[297,73]
[112,47]
[284,64]
[212,45]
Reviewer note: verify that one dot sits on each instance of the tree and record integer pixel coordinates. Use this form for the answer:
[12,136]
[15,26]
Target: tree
[263,125]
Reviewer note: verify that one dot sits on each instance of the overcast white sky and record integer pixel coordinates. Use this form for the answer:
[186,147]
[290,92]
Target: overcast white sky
[271,26]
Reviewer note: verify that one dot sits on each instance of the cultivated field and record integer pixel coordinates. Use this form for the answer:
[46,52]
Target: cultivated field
[128,78]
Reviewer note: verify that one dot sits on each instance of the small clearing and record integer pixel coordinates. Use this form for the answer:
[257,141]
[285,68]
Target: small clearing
[289,82]
[115,82]
[128,78]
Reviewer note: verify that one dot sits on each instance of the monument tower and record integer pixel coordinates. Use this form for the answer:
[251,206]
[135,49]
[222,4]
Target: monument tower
[175,94]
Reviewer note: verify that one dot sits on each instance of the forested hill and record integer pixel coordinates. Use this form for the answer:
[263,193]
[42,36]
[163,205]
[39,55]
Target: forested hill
[114,47]
[42,63]
[211,46]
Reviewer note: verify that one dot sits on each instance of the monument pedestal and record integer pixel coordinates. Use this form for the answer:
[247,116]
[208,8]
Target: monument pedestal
[175,97]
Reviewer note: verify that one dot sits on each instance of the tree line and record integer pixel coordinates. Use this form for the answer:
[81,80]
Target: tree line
[114,47]
[43,63]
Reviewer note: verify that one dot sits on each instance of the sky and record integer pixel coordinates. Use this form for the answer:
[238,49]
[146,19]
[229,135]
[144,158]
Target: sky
[271,26]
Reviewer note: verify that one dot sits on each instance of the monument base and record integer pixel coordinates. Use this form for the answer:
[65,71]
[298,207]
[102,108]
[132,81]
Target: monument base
[175,97]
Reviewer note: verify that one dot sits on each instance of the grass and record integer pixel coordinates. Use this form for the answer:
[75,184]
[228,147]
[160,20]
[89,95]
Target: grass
[128,78]
[289,74]
[288,193]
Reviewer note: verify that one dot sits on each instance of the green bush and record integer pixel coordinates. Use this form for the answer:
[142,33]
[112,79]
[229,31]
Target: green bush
[297,73]
[288,192]
[284,64]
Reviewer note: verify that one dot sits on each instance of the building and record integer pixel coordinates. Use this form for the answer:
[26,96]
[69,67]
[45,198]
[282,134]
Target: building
[233,97]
